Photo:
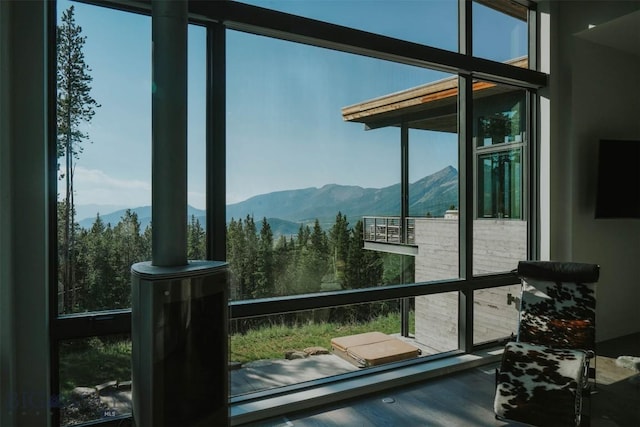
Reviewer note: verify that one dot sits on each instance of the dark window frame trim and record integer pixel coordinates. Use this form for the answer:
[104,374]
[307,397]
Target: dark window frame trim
[266,22]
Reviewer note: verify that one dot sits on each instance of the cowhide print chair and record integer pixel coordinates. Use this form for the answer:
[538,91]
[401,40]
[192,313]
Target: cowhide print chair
[545,372]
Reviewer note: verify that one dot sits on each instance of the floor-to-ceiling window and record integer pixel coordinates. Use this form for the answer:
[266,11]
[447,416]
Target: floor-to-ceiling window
[366,188]
[394,182]
[104,198]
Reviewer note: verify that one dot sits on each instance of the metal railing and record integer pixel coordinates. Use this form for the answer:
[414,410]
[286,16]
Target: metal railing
[389,229]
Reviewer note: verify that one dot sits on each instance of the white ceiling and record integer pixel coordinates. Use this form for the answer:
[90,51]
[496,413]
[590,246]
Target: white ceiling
[622,33]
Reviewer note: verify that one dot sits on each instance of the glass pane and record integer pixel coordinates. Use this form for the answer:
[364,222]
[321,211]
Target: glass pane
[432,22]
[500,185]
[101,190]
[436,322]
[433,165]
[499,114]
[196,142]
[498,245]
[500,135]
[437,241]
[95,379]
[278,350]
[495,313]
[303,175]
[104,186]
[500,32]
[433,197]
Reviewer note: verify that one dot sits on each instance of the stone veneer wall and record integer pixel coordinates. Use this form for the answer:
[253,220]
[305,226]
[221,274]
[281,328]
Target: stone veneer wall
[498,246]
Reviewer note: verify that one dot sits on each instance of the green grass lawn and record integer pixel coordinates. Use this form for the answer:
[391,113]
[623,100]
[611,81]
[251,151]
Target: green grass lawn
[273,341]
[95,361]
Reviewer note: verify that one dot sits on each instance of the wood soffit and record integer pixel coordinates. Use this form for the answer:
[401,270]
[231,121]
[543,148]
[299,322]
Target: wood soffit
[436,102]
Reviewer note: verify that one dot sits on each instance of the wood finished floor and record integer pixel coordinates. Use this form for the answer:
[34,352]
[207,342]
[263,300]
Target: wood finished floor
[466,399]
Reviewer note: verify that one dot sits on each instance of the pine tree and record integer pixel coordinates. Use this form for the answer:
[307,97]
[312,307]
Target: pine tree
[75,106]
[265,284]
[235,256]
[339,246]
[313,263]
[196,240]
[364,268]
[284,266]
[250,260]
[128,249]
[98,254]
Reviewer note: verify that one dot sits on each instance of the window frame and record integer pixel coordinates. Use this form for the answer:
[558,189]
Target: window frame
[219,16]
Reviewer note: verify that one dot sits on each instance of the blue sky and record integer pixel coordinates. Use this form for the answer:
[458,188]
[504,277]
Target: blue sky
[284,127]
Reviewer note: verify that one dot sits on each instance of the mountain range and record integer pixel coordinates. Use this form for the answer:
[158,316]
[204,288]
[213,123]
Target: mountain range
[286,210]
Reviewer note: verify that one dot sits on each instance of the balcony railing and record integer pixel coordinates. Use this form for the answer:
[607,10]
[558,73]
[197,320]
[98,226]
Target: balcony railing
[389,229]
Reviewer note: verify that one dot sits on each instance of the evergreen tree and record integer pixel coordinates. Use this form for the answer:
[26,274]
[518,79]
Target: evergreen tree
[146,242]
[303,235]
[74,107]
[128,248]
[196,241]
[339,246]
[235,257]
[313,261]
[98,254]
[284,266]
[364,268]
[250,260]
[318,239]
[264,275]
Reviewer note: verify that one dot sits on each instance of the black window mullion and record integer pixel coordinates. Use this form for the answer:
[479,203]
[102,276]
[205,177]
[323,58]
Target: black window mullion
[52,187]
[532,149]
[465,176]
[92,324]
[466,209]
[465,33]
[267,306]
[216,143]
[271,23]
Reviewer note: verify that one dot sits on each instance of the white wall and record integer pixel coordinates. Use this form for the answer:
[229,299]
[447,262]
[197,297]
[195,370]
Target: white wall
[609,109]
[594,93]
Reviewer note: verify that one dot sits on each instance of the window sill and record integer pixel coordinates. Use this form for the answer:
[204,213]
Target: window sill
[349,386]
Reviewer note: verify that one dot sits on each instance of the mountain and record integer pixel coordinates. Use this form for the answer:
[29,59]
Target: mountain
[286,210]
[432,194]
[144,216]
[90,211]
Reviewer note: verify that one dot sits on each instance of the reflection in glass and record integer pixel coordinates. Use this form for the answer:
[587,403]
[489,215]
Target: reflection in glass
[500,135]
[495,313]
[436,322]
[499,185]
[500,114]
[95,379]
[500,31]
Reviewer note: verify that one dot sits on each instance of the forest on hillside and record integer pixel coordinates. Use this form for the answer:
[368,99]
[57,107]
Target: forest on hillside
[313,260]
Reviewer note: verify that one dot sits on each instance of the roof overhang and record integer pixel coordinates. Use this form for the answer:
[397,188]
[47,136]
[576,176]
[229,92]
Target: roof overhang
[433,106]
